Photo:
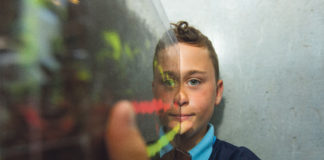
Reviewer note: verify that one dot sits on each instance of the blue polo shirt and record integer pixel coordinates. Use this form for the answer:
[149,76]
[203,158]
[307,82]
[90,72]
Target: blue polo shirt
[202,150]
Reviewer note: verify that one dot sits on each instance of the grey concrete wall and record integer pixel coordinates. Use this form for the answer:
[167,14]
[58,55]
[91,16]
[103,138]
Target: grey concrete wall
[272,63]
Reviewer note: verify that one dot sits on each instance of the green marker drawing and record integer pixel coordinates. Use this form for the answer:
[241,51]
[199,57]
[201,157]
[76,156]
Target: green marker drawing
[162,142]
[165,76]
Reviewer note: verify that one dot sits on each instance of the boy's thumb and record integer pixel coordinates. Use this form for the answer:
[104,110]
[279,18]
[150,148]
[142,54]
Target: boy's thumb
[123,140]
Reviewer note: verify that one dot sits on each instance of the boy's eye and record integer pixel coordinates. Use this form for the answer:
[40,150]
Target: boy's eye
[194,82]
[169,82]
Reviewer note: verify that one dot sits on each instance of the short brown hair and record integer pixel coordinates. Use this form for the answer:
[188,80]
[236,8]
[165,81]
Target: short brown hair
[189,35]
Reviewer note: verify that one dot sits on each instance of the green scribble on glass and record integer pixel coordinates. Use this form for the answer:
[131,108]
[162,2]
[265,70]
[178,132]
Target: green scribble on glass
[128,51]
[169,82]
[113,39]
[155,63]
[162,142]
[165,76]
[161,72]
[120,56]
[83,75]
[117,50]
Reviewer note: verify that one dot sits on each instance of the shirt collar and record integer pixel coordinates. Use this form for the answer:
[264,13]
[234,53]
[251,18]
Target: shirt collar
[202,150]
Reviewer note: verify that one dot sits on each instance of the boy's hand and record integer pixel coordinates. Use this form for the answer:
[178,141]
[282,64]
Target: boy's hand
[123,139]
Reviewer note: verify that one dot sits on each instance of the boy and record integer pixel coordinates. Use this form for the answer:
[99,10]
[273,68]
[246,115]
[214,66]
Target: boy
[186,74]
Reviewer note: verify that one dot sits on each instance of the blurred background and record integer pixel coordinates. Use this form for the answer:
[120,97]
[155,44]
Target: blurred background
[271,57]
[63,63]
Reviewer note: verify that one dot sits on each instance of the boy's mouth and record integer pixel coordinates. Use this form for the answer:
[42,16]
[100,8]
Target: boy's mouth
[181,117]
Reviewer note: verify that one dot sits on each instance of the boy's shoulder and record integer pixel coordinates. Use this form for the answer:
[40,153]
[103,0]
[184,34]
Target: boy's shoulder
[224,150]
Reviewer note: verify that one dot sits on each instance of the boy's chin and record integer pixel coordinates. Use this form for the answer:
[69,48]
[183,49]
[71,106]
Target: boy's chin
[184,126]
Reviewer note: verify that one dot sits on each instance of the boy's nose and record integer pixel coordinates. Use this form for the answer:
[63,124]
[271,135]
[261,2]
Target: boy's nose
[181,98]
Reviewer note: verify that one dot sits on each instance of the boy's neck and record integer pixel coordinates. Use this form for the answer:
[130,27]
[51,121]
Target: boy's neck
[187,142]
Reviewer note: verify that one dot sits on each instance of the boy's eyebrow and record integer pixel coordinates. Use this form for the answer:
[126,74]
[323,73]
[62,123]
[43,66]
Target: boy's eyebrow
[191,72]
[170,73]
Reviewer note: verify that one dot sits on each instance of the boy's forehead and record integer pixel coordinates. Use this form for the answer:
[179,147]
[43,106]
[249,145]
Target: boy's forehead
[186,58]
[169,58]
[169,52]
[184,52]
[193,56]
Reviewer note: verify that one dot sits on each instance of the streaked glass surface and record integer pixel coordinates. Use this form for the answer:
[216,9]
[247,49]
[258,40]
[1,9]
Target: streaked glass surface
[63,64]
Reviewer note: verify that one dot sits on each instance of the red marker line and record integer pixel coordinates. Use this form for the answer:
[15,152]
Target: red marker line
[149,107]
[32,117]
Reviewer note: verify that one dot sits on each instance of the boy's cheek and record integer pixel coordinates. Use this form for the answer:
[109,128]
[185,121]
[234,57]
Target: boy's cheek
[166,97]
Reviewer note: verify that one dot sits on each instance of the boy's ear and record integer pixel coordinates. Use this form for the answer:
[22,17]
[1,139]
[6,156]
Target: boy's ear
[219,92]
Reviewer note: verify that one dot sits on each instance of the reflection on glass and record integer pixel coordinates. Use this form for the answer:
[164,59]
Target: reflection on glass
[63,63]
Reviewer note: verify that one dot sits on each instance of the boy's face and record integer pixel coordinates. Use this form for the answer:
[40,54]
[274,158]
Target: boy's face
[194,90]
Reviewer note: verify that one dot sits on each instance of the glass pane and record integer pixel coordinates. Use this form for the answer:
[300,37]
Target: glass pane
[64,63]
